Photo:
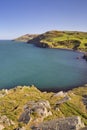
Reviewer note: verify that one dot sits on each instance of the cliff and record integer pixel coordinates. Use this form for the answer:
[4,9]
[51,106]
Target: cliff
[27,108]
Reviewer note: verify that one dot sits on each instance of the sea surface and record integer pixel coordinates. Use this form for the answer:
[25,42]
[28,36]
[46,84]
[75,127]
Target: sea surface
[48,69]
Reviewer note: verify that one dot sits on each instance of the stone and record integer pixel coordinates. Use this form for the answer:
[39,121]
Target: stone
[60,94]
[24,117]
[68,123]
[41,107]
[20,128]
[4,119]
[61,101]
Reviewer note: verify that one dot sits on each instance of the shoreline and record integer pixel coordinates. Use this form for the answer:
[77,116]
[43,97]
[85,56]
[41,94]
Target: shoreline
[68,49]
[54,90]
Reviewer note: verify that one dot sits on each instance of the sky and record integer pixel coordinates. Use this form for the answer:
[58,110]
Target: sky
[19,17]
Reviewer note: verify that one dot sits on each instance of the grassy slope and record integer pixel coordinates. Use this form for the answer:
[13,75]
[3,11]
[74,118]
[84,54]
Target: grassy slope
[26,37]
[55,37]
[18,97]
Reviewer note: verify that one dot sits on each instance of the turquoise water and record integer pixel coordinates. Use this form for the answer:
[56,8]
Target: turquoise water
[25,64]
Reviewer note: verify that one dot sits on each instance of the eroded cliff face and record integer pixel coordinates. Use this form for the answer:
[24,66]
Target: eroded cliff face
[26,107]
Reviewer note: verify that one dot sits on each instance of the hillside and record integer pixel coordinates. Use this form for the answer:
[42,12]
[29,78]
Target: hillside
[26,37]
[59,39]
[25,107]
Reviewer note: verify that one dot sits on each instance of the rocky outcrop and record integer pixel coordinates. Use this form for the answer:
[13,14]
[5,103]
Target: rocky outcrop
[42,45]
[63,100]
[41,108]
[60,94]
[69,123]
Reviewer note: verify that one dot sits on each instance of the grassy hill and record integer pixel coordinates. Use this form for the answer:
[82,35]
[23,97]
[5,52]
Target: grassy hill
[26,37]
[13,101]
[60,39]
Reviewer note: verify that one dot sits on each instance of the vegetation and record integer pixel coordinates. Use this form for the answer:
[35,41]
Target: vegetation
[26,37]
[12,103]
[59,39]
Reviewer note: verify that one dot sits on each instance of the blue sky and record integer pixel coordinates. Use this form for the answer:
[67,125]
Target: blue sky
[18,17]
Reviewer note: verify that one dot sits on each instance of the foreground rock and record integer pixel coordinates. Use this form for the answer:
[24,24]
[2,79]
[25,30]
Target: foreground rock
[41,108]
[69,123]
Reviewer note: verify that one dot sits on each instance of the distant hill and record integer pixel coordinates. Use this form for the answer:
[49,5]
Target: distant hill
[58,39]
[26,37]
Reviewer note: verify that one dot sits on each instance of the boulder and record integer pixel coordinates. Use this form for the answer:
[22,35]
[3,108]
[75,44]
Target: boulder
[68,123]
[41,108]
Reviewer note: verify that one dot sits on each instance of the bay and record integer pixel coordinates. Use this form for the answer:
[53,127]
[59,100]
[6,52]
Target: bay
[48,69]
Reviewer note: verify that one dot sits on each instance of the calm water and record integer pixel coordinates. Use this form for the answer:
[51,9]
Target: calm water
[24,64]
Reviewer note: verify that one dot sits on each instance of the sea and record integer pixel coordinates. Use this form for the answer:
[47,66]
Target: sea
[46,68]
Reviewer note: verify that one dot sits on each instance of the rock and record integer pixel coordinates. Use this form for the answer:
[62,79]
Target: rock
[20,128]
[4,119]
[25,117]
[68,123]
[44,103]
[60,94]
[42,45]
[42,108]
[61,101]
[3,92]
[84,99]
